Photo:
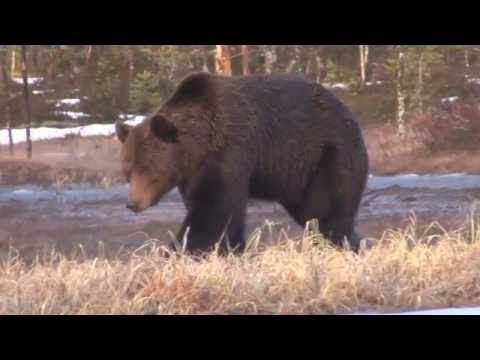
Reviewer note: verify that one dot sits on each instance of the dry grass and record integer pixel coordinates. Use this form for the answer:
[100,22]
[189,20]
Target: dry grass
[403,270]
[96,159]
[390,154]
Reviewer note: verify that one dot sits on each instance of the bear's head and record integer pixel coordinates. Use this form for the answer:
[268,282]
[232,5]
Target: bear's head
[150,160]
[171,145]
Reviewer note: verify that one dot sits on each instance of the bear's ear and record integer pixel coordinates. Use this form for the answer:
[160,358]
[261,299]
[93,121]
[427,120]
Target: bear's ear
[122,130]
[163,129]
[192,87]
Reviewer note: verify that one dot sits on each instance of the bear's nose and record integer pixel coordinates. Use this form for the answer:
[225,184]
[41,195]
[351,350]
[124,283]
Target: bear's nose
[131,205]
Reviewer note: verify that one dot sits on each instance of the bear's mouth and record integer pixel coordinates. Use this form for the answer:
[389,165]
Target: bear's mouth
[135,208]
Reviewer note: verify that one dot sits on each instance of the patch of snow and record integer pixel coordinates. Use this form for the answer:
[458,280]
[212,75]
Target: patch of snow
[370,83]
[336,86]
[47,133]
[67,102]
[339,86]
[30,80]
[72,114]
[450,181]
[447,311]
[450,311]
[450,99]
[133,119]
[42,92]
[473,80]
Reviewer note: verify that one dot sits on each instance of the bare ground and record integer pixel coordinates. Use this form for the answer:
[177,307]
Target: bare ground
[94,257]
[33,227]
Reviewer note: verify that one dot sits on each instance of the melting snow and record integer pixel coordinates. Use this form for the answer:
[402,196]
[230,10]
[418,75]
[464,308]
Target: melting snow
[42,92]
[67,102]
[473,80]
[30,80]
[447,311]
[72,114]
[46,133]
[370,83]
[450,99]
[336,86]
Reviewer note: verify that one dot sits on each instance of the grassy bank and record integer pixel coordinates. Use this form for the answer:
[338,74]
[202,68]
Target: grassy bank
[404,269]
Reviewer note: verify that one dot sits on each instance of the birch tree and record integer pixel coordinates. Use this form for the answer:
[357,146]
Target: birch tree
[270,56]
[400,90]
[26,95]
[364,54]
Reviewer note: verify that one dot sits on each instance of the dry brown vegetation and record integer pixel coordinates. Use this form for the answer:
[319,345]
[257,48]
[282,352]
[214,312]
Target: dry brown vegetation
[411,267]
[404,269]
[96,159]
[390,154]
[72,159]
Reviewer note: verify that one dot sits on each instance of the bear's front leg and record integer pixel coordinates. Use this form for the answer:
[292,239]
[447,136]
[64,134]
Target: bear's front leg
[216,214]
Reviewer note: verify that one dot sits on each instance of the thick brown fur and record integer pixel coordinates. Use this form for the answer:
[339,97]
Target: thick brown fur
[223,140]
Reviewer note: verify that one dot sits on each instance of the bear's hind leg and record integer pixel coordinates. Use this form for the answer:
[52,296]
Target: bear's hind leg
[335,212]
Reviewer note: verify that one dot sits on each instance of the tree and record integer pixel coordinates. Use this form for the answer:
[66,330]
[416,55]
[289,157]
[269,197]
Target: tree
[364,52]
[223,63]
[245,60]
[26,95]
[9,116]
[400,90]
[126,76]
[270,56]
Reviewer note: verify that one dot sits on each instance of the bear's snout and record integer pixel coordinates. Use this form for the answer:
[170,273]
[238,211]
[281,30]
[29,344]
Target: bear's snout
[133,206]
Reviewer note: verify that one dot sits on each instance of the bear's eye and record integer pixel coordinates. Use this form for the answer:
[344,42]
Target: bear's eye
[142,170]
[127,175]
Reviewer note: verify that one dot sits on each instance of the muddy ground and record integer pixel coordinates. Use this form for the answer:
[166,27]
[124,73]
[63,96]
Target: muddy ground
[72,194]
[35,219]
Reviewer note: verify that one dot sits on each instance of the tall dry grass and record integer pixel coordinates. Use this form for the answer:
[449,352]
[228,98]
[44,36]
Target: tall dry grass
[402,270]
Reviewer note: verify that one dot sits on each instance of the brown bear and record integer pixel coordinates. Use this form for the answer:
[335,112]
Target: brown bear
[223,140]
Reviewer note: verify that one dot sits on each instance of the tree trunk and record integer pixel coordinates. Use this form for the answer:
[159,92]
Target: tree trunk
[363,63]
[245,60]
[126,78]
[205,59]
[35,63]
[13,64]
[88,54]
[364,50]
[420,81]
[8,107]
[223,65]
[87,77]
[309,67]
[27,100]
[319,64]
[295,60]
[51,64]
[401,127]
[270,57]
